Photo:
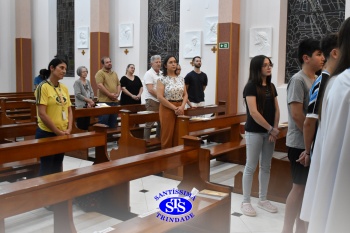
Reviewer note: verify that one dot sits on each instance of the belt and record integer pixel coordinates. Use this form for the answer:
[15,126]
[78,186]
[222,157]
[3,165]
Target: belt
[175,100]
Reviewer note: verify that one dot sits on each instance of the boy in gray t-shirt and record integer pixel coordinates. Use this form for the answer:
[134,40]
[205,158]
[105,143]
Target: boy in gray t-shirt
[311,59]
[298,92]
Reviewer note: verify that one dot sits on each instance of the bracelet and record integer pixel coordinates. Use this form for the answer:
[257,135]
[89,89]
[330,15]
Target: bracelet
[270,130]
[307,153]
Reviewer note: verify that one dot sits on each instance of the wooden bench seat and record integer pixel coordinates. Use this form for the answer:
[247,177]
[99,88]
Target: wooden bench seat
[185,126]
[113,135]
[222,123]
[59,189]
[226,147]
[213,134]
[14,171]
[208,132]
[202,209]
[13,112]
[213,109]
[280,182]
[131,142]
[16,163]
[12,152]
[19,169]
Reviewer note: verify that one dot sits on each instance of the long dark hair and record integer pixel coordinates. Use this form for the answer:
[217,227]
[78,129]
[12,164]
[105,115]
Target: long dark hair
[54,62]
[344,55]
[165,61]
[344,47]
[255,77]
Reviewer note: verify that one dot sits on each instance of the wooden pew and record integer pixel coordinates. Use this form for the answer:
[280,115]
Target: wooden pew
[19,98]
[280,181]
[186,126]
[18,169]
[17,162]
[59,189]
[211,134]
[35,148]
[219,109]
[233,147]
[129,144]
[10,94]
[112,134]
[13,112]
[98,111]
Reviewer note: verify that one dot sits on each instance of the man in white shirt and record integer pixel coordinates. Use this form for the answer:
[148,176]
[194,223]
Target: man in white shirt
[150,90]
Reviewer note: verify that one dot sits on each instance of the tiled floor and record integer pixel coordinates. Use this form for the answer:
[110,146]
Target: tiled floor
[40,220]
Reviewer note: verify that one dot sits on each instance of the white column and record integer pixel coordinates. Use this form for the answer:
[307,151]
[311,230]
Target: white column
[347,9]
[44,33]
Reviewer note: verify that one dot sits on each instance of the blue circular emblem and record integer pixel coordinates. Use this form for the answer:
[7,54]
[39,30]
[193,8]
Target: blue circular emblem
[175,206]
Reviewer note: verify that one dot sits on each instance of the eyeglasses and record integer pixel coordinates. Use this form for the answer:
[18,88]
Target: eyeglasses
[267,65]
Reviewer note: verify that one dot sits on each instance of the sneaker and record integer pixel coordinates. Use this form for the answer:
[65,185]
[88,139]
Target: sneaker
[266,205]
[248,210]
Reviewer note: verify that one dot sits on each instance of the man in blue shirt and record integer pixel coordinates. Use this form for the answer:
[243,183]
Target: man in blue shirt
[38,79]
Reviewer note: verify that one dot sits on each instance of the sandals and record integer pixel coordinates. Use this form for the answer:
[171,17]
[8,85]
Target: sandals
[248,210]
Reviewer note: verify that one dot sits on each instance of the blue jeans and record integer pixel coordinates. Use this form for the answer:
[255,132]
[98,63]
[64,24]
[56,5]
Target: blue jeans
[111,119]
[258,148]
[52,163]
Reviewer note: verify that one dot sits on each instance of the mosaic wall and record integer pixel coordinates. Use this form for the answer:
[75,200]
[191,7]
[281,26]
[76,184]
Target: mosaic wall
[310,18]
[65,33]
[163,28]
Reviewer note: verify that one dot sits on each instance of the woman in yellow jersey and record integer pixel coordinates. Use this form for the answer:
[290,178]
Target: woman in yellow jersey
[54,112]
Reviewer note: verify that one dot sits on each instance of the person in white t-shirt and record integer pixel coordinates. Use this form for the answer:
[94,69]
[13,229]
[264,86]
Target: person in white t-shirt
[152,103]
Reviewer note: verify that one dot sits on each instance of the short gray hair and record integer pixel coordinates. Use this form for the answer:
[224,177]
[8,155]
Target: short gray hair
[79,70]
[155,57]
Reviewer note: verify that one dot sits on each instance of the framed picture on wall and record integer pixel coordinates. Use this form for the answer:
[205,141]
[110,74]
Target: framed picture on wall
[83,38]
[260,42]
[126,35]
[210,30]
[193,43]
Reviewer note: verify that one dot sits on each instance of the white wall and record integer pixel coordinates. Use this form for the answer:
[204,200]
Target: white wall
[347,9]
[267,13]
[136,12]
[7,46]
[192,18]
[44,34]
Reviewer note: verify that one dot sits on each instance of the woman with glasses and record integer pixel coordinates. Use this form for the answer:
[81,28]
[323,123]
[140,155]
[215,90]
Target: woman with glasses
[131,87]
[261,130]
[84,96]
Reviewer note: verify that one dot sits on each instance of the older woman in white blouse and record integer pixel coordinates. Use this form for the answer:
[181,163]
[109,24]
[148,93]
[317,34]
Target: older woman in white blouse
[172,95]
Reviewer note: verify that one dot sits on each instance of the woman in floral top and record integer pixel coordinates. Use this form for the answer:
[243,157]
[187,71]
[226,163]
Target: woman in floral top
[172,95]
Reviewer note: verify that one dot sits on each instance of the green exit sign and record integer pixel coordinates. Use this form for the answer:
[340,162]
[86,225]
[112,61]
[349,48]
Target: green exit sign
[224,45]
